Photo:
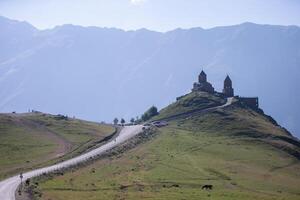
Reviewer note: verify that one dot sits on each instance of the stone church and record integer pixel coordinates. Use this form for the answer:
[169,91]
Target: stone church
[204,86]
[228,91]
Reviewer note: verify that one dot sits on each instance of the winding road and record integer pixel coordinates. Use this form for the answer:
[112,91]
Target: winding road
[9,186]
[187,114]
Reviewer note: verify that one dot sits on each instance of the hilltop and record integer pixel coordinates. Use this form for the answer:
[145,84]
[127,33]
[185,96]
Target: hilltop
[190,103]
[240,151]
[238,119]
[36,139]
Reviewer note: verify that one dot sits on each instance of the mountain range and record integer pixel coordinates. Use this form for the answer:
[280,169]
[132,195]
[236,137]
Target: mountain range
[101,73]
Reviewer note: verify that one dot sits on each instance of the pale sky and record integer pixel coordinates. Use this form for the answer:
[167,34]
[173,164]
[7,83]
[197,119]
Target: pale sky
[160,15]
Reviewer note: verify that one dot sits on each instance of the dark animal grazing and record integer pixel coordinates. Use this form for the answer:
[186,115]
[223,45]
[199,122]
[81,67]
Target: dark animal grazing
[27,182]
[207,187]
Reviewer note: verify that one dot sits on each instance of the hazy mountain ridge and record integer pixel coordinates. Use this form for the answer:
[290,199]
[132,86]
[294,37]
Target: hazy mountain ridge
[99,73]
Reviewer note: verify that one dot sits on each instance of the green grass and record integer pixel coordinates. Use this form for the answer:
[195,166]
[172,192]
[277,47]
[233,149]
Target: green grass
[36,139]
[73,130]
[227,148]
[190,102]
[234,120]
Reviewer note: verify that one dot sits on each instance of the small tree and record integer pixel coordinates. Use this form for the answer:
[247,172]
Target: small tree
[122,121]
[151,112]
[116,121]
[132,120]
[137,120]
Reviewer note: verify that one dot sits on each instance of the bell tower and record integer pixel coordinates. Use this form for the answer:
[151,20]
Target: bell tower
[202,77]
[228,90]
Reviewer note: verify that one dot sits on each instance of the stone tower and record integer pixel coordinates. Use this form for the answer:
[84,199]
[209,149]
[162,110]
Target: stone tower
[202,77]
[228,90]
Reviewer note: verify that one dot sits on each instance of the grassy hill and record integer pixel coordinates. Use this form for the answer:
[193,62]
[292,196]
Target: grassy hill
[190,103]
[243,153]
[35,139]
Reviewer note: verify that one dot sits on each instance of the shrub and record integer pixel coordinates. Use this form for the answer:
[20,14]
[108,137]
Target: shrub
[151,112]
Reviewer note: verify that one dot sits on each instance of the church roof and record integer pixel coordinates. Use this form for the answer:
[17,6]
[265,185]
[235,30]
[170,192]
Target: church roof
[202,73]
[227,78]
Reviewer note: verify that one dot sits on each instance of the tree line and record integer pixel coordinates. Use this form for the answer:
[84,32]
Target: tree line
[151,112]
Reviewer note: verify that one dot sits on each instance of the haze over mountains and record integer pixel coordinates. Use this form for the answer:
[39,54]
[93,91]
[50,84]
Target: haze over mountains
[102,73]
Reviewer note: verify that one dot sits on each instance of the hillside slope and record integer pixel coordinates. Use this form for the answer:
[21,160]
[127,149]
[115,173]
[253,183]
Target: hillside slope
[86,60]
[190,103]
[35,139]
[243,153]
